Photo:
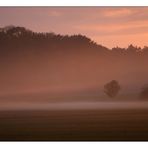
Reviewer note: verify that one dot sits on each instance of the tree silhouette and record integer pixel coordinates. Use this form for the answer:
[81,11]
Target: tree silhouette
[112,88]
[17,39]
[133,49]
[12,37]
[145,50]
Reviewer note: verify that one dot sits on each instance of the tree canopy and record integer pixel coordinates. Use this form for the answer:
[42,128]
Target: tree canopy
[20,37]
[112,88]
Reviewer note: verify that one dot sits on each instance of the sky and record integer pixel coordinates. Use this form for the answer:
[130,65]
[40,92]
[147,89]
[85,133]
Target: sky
[108,26]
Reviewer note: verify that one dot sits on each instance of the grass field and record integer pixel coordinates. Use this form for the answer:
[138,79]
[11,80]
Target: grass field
[74,125]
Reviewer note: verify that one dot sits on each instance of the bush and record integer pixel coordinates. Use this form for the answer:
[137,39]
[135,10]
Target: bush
[144,93]
[112,88]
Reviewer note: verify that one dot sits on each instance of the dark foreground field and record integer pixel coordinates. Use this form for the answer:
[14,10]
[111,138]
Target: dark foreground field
[53,125]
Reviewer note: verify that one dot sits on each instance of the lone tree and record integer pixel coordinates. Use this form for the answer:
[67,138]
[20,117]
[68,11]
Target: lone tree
[112,88]
[144,93]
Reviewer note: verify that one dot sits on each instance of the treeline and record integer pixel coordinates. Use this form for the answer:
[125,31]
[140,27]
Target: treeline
[21,38]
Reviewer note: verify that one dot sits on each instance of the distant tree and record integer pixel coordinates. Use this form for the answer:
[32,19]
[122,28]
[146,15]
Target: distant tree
[133,49]
[145,50]
[112,88]
[118,50]
[144,93]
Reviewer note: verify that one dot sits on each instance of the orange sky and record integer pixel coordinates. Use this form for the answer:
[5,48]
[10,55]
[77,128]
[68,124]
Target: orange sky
[109,26]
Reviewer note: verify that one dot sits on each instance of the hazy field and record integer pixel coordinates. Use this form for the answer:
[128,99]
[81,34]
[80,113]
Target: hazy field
[74,121]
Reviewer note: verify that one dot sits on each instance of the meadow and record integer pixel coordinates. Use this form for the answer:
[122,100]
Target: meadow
[83,122]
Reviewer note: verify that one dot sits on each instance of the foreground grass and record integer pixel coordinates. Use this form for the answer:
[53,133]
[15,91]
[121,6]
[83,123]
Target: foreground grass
[74,125]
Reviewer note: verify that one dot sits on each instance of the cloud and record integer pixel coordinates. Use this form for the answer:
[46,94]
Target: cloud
[108,29]
[55,13]
[117,12]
